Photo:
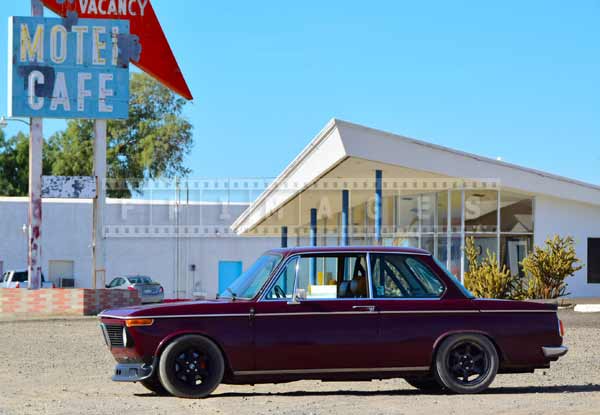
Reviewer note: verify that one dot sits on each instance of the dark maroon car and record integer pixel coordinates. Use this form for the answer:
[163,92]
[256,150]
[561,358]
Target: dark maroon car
[333,314]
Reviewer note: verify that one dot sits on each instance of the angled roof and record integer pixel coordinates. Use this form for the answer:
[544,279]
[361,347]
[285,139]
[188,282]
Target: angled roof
[342,140]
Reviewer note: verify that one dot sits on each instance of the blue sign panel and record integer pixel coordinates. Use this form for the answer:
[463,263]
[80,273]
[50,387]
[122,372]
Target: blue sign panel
[69,68]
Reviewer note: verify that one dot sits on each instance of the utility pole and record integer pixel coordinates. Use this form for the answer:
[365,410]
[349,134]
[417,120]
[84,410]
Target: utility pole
[36,141]
[98,243]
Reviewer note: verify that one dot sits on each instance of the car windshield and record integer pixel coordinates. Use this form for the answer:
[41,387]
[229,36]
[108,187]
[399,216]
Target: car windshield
[140,280]
[455,280]
[248,284]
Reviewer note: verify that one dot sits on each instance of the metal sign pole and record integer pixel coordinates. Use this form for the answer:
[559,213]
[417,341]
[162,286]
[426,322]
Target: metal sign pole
[98,246]
[34,257]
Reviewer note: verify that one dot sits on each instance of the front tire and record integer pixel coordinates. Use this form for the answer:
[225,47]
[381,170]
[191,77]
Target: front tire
[191,367]
[154,385]
[466,363]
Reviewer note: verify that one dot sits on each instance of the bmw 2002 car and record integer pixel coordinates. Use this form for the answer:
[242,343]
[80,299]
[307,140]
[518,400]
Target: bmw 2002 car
[333,314]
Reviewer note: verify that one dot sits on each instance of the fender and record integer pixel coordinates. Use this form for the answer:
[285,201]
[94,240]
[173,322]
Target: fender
[164,342]
[447,334]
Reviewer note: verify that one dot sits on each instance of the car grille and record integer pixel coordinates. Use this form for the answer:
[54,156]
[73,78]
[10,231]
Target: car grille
[114,335]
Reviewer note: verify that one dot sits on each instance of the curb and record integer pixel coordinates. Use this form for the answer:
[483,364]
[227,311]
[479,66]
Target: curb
[587,308]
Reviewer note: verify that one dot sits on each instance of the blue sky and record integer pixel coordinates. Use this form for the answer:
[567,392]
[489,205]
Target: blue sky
[513,79]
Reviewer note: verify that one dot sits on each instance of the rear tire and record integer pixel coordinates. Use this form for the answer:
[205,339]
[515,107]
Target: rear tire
[191,367]
[466,363]
[425,384]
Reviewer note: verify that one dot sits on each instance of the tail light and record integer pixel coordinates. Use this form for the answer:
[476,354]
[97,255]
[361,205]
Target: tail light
[161,290]
[18,285]
[131,288]
[561,328]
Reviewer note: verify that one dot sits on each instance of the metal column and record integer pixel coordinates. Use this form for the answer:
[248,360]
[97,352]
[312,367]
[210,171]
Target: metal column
[313,242]
[284,236]
[36,142]
[345,216]
[462,236]
[378,205]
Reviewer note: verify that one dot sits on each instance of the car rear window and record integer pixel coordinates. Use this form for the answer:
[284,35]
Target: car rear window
[140,280]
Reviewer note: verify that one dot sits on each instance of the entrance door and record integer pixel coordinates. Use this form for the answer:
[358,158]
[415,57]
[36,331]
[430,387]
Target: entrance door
[332,329]
[59,270]
[228,272]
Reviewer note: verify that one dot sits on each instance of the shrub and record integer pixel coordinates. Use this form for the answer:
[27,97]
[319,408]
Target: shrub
[547,268]
[487,279]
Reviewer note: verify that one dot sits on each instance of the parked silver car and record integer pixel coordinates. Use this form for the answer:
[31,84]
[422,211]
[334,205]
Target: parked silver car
[149,291]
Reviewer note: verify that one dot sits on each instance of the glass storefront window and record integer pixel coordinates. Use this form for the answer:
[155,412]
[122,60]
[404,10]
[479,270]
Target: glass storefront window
[513,250]
[483,244]
[407,213]
[442,212]
[481,211]
[516,213]
[428,202]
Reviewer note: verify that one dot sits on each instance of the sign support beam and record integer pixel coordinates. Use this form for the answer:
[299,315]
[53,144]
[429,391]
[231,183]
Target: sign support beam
[98,242]
[36,141]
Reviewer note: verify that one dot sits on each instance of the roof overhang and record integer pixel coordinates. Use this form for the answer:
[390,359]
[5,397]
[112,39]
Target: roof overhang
[341,142]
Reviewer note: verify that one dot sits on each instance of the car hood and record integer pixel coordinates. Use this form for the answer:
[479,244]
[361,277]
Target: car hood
[181,308]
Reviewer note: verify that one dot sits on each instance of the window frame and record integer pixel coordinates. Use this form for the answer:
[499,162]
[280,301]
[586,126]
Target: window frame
[298,256]
[410,255]
[283,265]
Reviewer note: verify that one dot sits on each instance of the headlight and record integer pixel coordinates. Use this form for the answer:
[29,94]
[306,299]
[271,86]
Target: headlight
[125,337]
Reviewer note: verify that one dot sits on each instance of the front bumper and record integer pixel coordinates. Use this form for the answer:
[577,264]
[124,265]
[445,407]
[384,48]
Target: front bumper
[554,353]
[132,372]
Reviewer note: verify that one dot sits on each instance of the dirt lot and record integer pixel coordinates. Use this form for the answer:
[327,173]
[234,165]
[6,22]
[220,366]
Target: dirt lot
[63,367]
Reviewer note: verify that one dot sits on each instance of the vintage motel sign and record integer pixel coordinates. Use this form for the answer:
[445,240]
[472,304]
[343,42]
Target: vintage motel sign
[69,69]
[156,57]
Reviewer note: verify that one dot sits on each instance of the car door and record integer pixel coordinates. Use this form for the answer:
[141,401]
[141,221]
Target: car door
[333,329]
[413,313]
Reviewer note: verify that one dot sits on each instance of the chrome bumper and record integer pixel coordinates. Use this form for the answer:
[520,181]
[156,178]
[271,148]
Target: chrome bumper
[132,372]
[555,352]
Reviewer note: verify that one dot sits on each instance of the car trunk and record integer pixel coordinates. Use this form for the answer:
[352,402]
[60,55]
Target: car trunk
[147,289]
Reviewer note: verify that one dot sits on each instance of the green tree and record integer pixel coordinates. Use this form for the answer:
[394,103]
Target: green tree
[152,143]
[547,268]
[487,279]
[14,165]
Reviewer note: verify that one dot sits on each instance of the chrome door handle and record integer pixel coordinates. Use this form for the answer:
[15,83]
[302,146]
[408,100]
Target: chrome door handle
[369,308]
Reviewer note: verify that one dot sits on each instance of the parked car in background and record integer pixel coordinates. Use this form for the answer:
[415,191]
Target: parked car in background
[334,314]
[148,290]
[20,279]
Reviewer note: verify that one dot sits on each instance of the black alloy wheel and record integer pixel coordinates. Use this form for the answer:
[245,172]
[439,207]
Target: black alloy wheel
[191,367]
[466,363]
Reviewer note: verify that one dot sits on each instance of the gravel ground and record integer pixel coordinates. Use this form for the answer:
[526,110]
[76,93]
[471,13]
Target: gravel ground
[63,367]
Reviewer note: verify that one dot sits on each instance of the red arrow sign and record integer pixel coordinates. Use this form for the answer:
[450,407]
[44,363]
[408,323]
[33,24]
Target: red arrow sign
[156,57]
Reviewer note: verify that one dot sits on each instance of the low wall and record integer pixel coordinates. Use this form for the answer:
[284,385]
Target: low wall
[73,302]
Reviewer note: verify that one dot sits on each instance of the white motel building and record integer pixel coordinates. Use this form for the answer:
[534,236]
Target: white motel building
[351,185]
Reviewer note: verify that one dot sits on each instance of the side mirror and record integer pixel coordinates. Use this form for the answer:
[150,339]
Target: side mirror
[107,286]
[299,296]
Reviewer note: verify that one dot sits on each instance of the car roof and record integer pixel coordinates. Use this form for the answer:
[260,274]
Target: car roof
[336,249]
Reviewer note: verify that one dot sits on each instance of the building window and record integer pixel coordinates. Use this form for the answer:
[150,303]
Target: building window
[593,261]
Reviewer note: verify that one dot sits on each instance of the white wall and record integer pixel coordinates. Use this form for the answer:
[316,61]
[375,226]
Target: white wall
[581,221]
[66,235]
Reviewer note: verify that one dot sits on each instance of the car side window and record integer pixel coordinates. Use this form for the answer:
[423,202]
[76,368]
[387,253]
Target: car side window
[20,277]
[115,283]
[322,277]
[284,285]
[403,276]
